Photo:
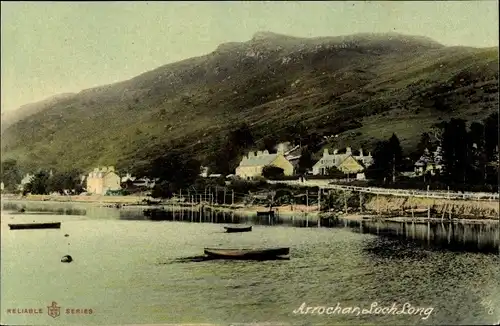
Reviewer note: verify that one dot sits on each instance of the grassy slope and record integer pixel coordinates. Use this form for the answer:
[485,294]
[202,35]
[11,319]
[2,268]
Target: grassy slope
[270,82]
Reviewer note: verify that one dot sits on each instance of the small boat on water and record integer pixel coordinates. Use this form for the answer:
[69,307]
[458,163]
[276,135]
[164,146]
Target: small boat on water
[253,254]
[234,229]
[30,226]
[156,214]
[266,213]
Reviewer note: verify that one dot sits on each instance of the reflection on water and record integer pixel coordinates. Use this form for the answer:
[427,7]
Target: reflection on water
[147,272]
[42,209]
[454,236]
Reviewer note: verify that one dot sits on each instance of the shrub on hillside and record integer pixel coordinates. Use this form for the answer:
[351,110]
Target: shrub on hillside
[270,172]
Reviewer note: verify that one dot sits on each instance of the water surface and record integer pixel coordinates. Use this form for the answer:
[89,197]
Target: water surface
[136,271]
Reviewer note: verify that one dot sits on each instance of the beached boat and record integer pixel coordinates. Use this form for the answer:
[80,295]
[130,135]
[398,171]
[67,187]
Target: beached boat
[255,254]
[29,226]
[234,229]
[266,213]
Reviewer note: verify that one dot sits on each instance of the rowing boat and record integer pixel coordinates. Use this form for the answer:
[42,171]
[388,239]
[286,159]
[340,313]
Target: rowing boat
[231,229]
[257,254]
[266,213]
[29,226]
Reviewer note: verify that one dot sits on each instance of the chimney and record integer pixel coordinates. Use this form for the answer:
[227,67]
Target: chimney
[325,152]
[281,148]
[335,151]
[348,151]
[361,152]
[266,152]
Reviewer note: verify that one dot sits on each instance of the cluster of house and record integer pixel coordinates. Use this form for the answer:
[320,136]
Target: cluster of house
[104,180]
[101,181]
[347,161]
[252,165]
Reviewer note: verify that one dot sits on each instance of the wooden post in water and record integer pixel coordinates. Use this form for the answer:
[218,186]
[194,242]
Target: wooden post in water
[345,201]
[232,198]
[319,207]
[360,202]
[224,196]
[216,194]
[428,232]
[319,199]
[411,207]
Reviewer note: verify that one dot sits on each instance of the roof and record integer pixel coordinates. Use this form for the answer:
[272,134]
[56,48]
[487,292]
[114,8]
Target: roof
[291,158]
[260,160]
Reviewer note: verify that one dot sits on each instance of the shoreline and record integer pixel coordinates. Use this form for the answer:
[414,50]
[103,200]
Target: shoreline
[310,213]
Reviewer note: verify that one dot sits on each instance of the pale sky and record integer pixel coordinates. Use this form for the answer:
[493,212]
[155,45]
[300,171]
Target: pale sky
[56,47]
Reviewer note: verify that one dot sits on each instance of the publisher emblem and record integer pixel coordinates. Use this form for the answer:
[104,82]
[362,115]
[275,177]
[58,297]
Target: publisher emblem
[53,310]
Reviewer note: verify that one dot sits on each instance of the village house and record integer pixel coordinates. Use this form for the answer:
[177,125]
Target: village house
[25,180]
[346,162]
[428,163]
[252,165]
[143,182]
[102,180]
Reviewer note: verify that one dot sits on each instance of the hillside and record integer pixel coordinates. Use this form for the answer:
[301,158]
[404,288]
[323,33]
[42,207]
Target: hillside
[12,116]
[362,87]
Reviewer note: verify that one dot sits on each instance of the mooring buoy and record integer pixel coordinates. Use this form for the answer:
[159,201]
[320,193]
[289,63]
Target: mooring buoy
[66,259]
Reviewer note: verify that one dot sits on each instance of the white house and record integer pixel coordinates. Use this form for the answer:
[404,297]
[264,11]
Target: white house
[25,180]
[101,180]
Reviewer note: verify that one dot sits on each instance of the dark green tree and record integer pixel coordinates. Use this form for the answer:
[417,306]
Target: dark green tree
[11,174]
[456,152]
[175,171]
[491,134]
[305,161]
[477,153]
[335,173]
[388,160]
[395,153]
[425,143]
[272,172]
[39,185]
[62,181]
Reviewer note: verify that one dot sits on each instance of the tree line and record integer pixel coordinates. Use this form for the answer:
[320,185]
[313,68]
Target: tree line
[467,155]
[43,182]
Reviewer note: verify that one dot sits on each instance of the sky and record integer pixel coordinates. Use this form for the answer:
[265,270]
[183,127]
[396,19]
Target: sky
[48,48]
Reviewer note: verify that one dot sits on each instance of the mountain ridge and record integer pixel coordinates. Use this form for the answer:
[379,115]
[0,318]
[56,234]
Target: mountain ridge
[331,85]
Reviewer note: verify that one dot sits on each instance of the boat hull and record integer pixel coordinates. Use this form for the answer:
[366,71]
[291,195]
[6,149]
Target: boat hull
[31,226]
[266,213]
[237,229]
[156,214]
[254,254]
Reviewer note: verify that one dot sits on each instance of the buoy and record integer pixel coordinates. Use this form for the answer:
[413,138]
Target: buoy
[66,235]
[66,259]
